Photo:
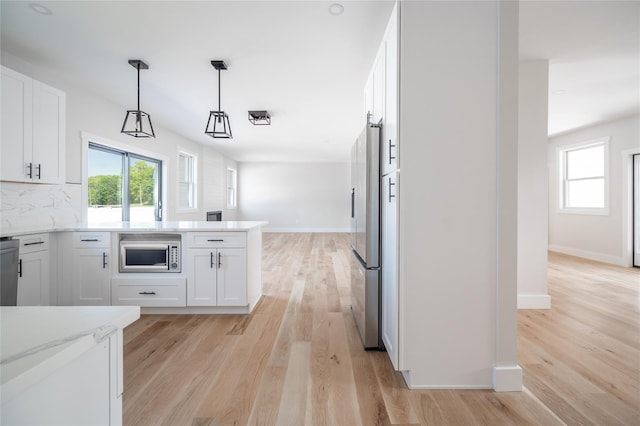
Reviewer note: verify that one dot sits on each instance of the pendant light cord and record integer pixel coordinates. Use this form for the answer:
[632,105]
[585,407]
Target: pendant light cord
[219,96]
[138,67]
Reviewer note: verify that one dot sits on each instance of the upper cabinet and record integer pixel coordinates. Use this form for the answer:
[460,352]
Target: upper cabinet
[33,130]
[389,148]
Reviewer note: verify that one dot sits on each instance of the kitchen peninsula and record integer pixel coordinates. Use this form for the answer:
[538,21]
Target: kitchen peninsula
[163,267]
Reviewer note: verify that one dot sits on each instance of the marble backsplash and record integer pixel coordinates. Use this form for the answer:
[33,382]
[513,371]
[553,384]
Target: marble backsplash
[26,205]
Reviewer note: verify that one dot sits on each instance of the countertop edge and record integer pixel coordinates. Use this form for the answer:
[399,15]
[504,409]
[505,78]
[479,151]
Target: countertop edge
[171,226]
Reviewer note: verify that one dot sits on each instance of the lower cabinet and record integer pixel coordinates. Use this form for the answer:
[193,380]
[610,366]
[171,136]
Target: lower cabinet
[91,278]
[33,270]
[148,291]
[389,324]
[217,277]
[84,270]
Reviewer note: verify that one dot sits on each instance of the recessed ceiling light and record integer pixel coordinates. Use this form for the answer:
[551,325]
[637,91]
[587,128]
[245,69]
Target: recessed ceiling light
[336,9]
[43,10]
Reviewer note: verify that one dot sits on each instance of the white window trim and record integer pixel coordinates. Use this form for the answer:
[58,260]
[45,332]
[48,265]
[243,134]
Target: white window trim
[195,182]
[111,143]
[560,158]
[235,188]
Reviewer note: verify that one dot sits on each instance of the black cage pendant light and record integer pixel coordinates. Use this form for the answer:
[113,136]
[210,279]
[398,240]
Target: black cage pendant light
[218,125]
[137,123]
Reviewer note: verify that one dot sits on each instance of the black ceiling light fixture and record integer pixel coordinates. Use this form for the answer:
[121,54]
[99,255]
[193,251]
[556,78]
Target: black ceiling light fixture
[260,118]
[137,123]
[218,126]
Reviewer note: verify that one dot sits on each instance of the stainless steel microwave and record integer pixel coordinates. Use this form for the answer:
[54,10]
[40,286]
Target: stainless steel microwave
[146,252]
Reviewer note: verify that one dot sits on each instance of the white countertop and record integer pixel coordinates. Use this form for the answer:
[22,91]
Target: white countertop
[62,332]
[173,226]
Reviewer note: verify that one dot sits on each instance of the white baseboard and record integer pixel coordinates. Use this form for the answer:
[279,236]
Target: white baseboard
[407,379]
[591,255]
[306,230]
[507,379]
[534,301]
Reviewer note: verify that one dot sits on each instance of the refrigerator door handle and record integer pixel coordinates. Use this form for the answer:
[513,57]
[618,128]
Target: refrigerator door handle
[353,202]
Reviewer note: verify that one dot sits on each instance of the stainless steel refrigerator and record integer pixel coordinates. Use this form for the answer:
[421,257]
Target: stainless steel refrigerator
[365,235]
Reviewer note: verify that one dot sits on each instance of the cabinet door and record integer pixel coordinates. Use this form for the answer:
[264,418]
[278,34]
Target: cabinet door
[389,266]
[390,126]
[33,280]
[48,134]
[368,99]
[232,277]
[91,278]
[16,111]
[378,86]
[201,281]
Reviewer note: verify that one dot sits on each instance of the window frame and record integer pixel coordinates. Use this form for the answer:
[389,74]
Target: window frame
[563,181]
[193,184]
[233,188]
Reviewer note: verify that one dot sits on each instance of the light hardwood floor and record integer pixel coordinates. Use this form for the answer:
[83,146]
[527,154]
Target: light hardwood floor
[297,360]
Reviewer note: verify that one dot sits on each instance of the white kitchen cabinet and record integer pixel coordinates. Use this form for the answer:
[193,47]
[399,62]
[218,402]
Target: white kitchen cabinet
[232,277]
[389,145]
[33,130]
[217,274]
[84,274]
[389,280]
[379,85]
[33,270]
[79,382]
[91,277]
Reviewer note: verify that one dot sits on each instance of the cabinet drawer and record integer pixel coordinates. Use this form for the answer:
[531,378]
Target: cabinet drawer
[33,243]
[148,292]
[91,239]
[217,239]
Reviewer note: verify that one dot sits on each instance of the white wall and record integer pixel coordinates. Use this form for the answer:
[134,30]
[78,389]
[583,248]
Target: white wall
[296,197]
[603,238]
[450,153]
[89,113]
[533,191]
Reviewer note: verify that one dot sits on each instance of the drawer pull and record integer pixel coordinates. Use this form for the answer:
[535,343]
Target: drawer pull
[151,293]
[20,268]
[104,260]
[215,241]
[33,244]
[90,240]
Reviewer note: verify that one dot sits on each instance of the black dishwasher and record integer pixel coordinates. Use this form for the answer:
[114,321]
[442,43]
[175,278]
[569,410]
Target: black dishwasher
[9,271]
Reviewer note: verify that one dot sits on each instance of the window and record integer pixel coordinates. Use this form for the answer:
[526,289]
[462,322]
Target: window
[186,181]
[231,188]
[112,174]
[584,177]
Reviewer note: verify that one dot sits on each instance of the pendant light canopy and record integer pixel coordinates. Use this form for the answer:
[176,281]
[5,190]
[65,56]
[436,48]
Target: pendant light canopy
[218,126]
[137,123]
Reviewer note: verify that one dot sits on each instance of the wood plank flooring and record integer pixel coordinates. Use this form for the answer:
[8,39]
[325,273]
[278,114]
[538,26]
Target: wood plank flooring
[297,360]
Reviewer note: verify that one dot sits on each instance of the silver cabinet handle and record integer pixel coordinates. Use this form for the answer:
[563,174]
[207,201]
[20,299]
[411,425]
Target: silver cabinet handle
[390,194]
[104,260]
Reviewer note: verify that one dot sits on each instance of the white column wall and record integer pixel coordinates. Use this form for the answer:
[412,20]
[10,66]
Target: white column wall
[448,270]
[533,194]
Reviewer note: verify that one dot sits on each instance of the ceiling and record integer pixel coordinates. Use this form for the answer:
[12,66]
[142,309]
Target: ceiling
[299,62]
[593,48]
